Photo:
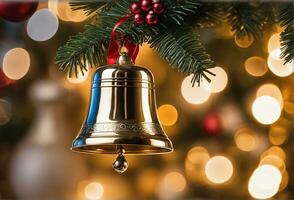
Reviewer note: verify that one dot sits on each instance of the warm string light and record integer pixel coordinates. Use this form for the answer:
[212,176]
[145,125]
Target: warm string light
[244,42]
[274,61]
[256,66]
[168,114]
[196,94]
[246,139]
[266,110]
[16,63]
[219,81]
[264,182]
[42,25]
[219,169]
[272,90]
[94,191]
[81,77]
[277,135]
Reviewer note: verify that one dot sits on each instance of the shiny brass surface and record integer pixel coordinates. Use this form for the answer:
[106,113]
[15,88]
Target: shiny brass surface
[122,113]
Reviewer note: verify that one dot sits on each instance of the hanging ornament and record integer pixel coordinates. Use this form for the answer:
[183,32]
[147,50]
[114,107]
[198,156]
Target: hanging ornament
[151,18]
[120,120]
[17,11]
[212,124]
[135,8]
[146,5]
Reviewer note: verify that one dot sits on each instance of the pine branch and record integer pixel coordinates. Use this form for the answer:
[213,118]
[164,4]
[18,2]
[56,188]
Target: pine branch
[88,6]
[184,51]
[246,19]
[83,50]
[286,19]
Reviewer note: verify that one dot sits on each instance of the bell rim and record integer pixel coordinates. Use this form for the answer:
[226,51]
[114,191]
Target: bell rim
[148,146]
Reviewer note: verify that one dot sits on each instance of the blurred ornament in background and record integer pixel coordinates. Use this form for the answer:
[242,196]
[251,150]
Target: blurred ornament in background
[256,66]
[42,25]
[42,167]
[270,89]
[212,124]
[17,11]
[167,114]
[4,80]
[265,181]
[196,94]
[219,81]
[171,186]
[244,42]
[219,169]
[277,66]
[5,111]
[16,63]
[266,110]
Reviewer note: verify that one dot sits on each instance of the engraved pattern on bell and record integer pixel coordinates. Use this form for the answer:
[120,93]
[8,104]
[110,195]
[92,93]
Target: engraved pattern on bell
[120,164]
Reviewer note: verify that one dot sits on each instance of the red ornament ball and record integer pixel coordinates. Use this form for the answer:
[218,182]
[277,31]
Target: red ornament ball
[212,124]
[139,19]
[146,5]
[151,18]
[158,8]
[135,8]
[17,11]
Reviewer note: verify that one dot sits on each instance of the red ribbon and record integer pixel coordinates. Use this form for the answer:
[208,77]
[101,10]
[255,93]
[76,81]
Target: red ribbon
[114,46]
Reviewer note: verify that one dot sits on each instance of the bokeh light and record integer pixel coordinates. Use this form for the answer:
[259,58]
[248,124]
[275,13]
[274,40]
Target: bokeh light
[79,78]
[244,42]
[175,182]
[168,114]
[272,90]
[196,94]
[274,161]
[266,109]
[264,182]
[5,111]
[256,66]
[94,191]
[277,135]
[246,139]
[16,63]
[195,162]
[42,25]
[147,181]
[274,42]
[219,169]
[274,150]
[64,11]
[276,64]
[219,81]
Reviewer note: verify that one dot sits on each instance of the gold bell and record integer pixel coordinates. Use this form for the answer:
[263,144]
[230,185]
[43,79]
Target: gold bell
[122,116]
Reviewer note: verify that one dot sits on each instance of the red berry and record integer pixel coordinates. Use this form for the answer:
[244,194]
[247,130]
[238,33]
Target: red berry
[139,19]
[158,8]
[151,18]
[135,7]
[146,5]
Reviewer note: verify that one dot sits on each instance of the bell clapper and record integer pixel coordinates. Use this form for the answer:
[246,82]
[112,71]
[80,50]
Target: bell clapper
[120,164]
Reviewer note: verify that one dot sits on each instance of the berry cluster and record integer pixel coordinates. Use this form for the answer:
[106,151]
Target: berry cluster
[147,11]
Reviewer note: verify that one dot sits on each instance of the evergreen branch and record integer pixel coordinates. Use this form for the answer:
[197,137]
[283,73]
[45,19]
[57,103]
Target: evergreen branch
[184,51]
[246,19]
[83,50]
[286,19]
[88,7]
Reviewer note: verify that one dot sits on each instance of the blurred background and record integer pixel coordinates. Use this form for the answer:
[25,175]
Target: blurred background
[233,138]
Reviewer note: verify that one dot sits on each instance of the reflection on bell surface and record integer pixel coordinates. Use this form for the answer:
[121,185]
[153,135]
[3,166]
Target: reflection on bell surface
[122,113]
